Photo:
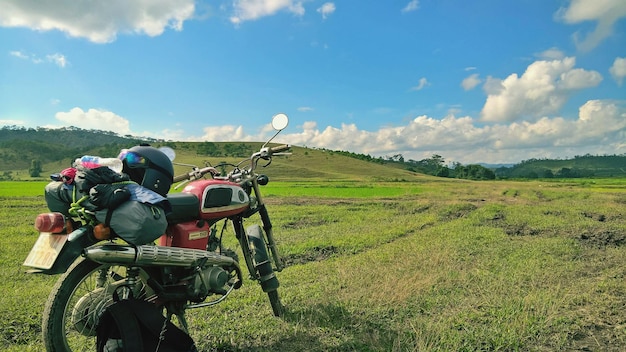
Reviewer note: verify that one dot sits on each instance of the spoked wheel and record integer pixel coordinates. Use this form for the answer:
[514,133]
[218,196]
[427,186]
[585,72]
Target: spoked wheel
[79,297]
[263,267]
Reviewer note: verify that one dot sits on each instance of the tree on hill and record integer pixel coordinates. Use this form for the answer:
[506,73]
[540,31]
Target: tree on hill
[207,148]
[434,165]
[474,172]
[35,168]
[6,176]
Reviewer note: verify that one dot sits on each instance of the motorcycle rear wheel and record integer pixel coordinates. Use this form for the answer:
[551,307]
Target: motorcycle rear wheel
[75,304]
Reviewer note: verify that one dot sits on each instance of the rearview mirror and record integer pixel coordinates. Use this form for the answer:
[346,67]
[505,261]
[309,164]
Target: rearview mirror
[280,121]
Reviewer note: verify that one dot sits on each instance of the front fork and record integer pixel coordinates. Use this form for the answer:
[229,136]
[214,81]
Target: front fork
[240,233]
[271,244]
[267,228]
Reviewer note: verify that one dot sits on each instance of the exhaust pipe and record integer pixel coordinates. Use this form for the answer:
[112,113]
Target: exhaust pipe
[150,255]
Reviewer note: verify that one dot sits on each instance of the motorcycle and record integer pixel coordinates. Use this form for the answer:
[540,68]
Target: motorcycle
[187,269]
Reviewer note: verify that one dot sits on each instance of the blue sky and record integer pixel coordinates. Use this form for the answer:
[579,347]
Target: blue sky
[473,81]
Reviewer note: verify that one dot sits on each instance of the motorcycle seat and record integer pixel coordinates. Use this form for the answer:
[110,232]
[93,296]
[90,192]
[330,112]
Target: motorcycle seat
[185,207]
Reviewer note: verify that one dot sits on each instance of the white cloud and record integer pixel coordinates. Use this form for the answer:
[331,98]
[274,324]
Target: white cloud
[228,133]
[9,122]
[413,5]
[605,12]
[169,134]
[543,89]
[19,55]
[471,82]
[423,83]
[326,9]
[599,129]
[98,21]
[95,119]
[618,70]
[305,108]
[58,59]
[247,10]
[551,54]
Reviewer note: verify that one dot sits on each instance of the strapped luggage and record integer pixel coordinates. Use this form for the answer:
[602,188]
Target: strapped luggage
[135,222]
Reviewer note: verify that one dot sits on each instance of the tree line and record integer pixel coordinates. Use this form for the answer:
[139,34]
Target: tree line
[580,166]
[435,166]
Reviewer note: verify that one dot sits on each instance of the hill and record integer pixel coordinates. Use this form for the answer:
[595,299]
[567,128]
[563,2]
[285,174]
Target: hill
[19,145]
[57,148]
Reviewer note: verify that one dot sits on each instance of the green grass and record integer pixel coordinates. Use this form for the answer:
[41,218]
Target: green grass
[429,265]
[341,189]
[21,189]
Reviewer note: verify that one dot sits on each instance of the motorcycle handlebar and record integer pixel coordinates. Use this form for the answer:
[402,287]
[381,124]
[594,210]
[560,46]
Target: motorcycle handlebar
[280,148]
[180,178]
[198,173]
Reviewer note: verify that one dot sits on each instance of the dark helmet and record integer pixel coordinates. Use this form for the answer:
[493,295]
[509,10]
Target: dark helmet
[148,167]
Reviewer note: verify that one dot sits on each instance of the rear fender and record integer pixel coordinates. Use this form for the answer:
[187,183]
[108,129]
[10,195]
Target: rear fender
[77,241]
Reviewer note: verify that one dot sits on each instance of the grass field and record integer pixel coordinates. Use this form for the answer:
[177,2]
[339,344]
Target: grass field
[428,265]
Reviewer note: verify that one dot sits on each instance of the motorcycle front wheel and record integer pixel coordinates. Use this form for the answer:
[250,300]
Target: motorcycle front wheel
[77,299]
[263,267]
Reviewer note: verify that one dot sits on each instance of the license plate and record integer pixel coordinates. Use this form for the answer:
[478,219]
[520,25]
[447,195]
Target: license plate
[45,251]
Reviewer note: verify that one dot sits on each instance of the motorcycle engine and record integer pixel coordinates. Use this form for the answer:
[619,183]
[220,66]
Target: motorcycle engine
[209,280]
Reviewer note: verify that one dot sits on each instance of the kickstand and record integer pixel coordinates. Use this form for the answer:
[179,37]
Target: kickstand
[183,321]
[180,316]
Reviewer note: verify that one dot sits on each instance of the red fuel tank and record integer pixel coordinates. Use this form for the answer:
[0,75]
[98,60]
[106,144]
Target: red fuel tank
[218,199]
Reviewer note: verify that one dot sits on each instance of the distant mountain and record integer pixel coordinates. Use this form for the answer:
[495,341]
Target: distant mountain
[495,166]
